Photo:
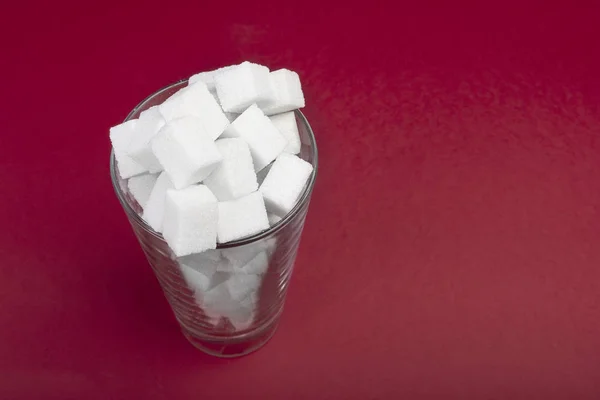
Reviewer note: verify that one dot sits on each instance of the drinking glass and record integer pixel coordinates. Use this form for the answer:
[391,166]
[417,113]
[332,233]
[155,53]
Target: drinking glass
[213,335]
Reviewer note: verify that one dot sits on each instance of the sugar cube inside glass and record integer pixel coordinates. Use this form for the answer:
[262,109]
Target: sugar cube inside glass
[287,126]
[139,148]
[234,177]
[141,186]
[262,136]
[186,152]
[243,217]
[284,183]
[120,137]
[155,205]
[190,221]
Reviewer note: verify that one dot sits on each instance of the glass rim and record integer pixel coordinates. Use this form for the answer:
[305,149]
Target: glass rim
[304,196]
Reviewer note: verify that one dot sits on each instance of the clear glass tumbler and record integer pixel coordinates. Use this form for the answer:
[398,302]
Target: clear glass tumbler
[250,327]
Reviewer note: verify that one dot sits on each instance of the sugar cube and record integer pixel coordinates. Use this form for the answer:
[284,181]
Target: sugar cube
[120,137]
[235,176]
[190,222]
[241,285]
[284,183]
[243,85]
[221,302]
[217,301]
[263,138]
[196,281]
[196,101]
[242,217]
[186,151]
[140,187]
[208,77]
[206,262]
[241,317]
[155,206]
[241,255]
[288,92]
[257,265]
[139,149]
[286,124]
[234,298]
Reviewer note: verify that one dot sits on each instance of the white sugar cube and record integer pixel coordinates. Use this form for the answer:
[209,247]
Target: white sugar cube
[196,101]
[186,151]
[258,265]
[273,219]
[196,281]
[263,138]
[190,222]
[288,92]
[241,255]
[140,187]
[241,285]
[284,183]
[206,262]
[243,85]
[120,137]
[219,302]
[242,217]
[155,206]
[241,317]
[235,176]
[139,148]
[208,77]
[287,126]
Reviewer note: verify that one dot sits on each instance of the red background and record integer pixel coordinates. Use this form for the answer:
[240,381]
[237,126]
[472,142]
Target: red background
[452,245]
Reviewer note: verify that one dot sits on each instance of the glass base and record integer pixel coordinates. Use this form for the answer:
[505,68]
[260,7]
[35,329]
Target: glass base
[231,346]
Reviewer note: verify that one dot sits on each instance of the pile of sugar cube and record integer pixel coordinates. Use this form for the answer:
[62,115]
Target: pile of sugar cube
[217,162]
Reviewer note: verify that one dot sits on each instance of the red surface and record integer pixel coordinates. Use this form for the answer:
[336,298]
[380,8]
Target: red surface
[452,249]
